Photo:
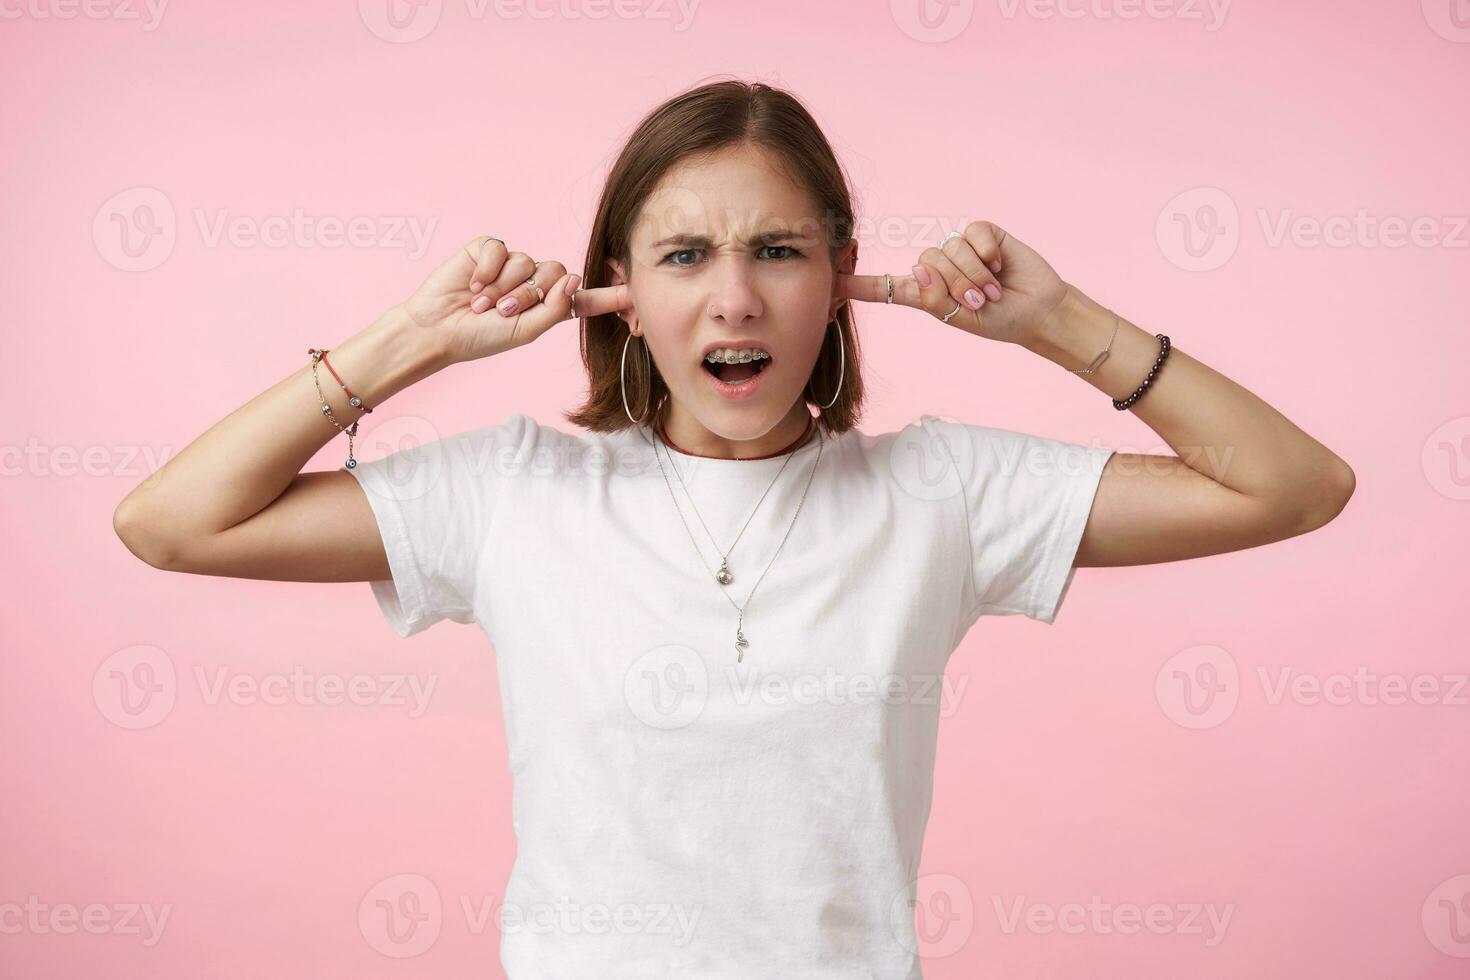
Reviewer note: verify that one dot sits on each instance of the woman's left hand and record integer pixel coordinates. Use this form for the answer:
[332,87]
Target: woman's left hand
[1018,289]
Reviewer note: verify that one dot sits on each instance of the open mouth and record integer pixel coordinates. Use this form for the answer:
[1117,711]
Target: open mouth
[733,367]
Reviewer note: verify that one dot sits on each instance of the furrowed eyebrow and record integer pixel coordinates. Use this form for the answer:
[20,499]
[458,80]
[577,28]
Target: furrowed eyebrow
[775,237]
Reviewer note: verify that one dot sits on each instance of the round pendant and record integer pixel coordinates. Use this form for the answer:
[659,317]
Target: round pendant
[723,576]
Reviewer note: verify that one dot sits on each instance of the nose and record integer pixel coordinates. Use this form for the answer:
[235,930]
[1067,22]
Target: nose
[733,296]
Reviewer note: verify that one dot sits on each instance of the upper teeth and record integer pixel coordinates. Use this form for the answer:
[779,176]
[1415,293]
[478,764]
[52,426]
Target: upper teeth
[730,355]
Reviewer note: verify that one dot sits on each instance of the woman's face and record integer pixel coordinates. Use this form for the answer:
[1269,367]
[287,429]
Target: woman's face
[728,253]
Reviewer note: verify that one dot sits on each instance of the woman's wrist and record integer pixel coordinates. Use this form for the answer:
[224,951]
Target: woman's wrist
[1079,329]
[1073,332]
[390,354]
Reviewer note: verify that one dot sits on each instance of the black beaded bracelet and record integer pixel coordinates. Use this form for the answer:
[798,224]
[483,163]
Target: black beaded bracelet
[1126,403]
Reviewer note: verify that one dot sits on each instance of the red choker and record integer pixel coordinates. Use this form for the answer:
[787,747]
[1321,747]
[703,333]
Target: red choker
[811,421]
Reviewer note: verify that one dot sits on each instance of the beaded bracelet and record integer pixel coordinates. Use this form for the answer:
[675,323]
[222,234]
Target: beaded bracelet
[353,400]
[1121,404]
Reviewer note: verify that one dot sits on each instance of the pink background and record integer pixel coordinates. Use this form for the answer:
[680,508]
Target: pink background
[1076,763]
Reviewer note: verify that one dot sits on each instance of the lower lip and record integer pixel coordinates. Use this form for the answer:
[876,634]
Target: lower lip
[735,392]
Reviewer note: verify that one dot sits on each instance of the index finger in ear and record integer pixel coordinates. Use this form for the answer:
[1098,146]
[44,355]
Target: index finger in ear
[603,299]
[874,289]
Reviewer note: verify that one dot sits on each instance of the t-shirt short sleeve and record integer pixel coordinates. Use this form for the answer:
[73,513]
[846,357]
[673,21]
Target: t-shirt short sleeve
[1027,499]
[433,502]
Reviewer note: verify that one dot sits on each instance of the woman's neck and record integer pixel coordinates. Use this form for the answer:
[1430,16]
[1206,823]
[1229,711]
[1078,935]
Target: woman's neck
[789,434]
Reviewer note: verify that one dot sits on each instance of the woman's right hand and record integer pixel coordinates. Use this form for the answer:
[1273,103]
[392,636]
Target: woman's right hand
[462,300]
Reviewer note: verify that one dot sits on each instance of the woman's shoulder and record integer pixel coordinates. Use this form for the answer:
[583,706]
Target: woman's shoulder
[519,440]
[518,426]
[933,442]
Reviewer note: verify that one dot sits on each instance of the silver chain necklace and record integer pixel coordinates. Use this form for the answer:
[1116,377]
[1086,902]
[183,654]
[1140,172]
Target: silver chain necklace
[740,641]
[724,576]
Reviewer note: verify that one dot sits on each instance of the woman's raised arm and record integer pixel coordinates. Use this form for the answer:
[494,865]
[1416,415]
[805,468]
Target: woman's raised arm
[1243,475]
[234,501]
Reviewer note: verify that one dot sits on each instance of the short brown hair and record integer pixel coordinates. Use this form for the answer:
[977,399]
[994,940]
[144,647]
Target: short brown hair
[697,122]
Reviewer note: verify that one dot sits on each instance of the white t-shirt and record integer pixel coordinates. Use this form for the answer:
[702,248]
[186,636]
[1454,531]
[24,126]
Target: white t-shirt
[677,813]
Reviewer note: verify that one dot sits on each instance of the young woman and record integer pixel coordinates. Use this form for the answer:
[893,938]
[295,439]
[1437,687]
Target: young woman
[719,619]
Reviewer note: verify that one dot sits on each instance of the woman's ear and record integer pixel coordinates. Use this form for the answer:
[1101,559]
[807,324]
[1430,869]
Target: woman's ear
[617,277]
[846,265]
